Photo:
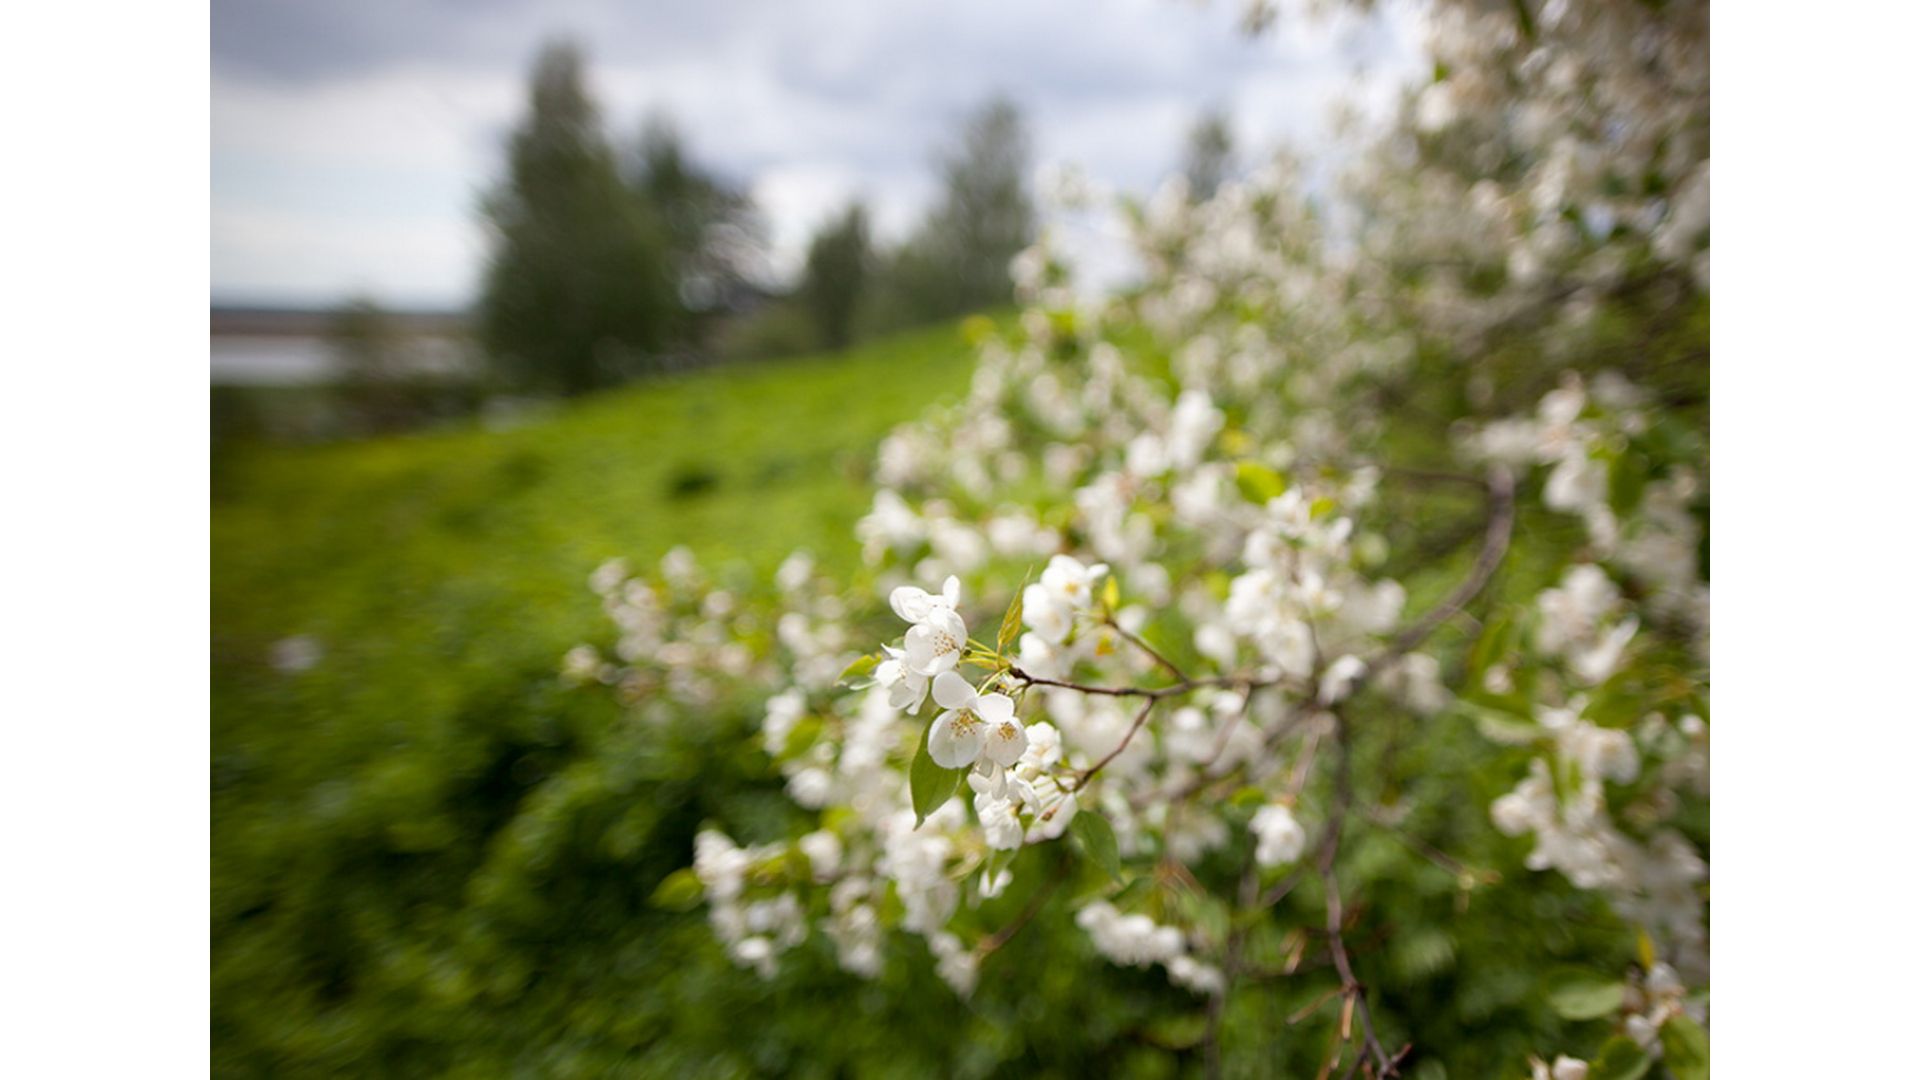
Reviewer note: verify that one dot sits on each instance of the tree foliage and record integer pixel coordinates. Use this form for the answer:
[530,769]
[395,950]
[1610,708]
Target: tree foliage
[956,262]
[837,276]
[590,275]
[713,231]
[1209,154]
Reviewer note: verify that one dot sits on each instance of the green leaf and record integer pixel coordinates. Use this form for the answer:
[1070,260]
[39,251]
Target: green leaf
[1627,482]
[1178,1032]
[1096,836]
[1248,796]
[1686,1045]
[1500,727]
[1582,995]
[1643,945]
[1110,593]
[1258,482]
[932,785]
[1619,1059]
[1010,622]
[679,891]
[801,739]
[1490,646]
[859,668]
[1525,17]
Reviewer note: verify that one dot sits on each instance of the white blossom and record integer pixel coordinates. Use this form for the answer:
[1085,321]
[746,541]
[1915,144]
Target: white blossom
[973,725]
[1281,839]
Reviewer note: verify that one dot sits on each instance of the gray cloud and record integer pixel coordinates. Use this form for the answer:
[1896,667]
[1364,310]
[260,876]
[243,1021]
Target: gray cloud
[329,115]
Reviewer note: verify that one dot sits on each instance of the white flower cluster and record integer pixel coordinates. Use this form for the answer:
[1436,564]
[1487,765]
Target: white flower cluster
[678,635]
[1201,473]
[1563,803]
[1653,1001]
[1281,839]
[1137,941]
[755,931]
[1562,1068]
[1573,619]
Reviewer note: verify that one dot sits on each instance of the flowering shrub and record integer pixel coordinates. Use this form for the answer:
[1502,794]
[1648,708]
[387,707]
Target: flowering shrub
[1322,539]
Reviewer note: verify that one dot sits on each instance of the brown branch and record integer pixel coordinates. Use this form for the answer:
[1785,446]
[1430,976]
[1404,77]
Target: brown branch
[1184,686]
[1350,984]
[1500,514]
[1107,691]
[1313,1006]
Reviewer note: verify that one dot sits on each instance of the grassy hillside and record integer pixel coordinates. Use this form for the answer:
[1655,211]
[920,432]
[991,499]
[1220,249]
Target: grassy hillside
[439,578]
[403,556]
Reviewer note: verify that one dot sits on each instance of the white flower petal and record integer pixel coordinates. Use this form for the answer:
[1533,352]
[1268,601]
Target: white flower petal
[909,693]
[920,651]
[954,740]
[1022,791]
[994,708]
[951,691]
[1005,742]
[948,621]
[910,602]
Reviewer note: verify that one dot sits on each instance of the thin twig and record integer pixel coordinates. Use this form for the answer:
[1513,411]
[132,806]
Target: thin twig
[1185,686]
[1204,775]
[1313,1006]
[1005,934]
[1432,854]
[1115,752]
[1135,639]
[1279,890]
[1107,691]
[1336,912]
[1492,551]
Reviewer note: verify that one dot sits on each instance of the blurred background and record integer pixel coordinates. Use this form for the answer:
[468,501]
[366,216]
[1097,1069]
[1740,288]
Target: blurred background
[407,198]
[503,290]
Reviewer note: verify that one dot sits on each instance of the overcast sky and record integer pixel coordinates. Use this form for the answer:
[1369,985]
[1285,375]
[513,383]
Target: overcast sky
[351,138]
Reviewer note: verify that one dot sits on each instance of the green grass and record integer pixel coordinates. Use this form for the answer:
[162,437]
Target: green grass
[404,555]
[443,575]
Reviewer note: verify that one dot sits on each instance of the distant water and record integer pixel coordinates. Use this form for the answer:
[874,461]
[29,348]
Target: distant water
[277,360]
[307,359]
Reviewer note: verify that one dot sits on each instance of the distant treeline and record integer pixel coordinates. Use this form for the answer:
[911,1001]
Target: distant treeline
[612,259]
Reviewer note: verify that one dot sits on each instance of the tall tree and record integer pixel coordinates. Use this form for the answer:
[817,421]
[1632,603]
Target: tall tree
[1209,154]
[580,288]
[958,260]
[836,276]
[711,225]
